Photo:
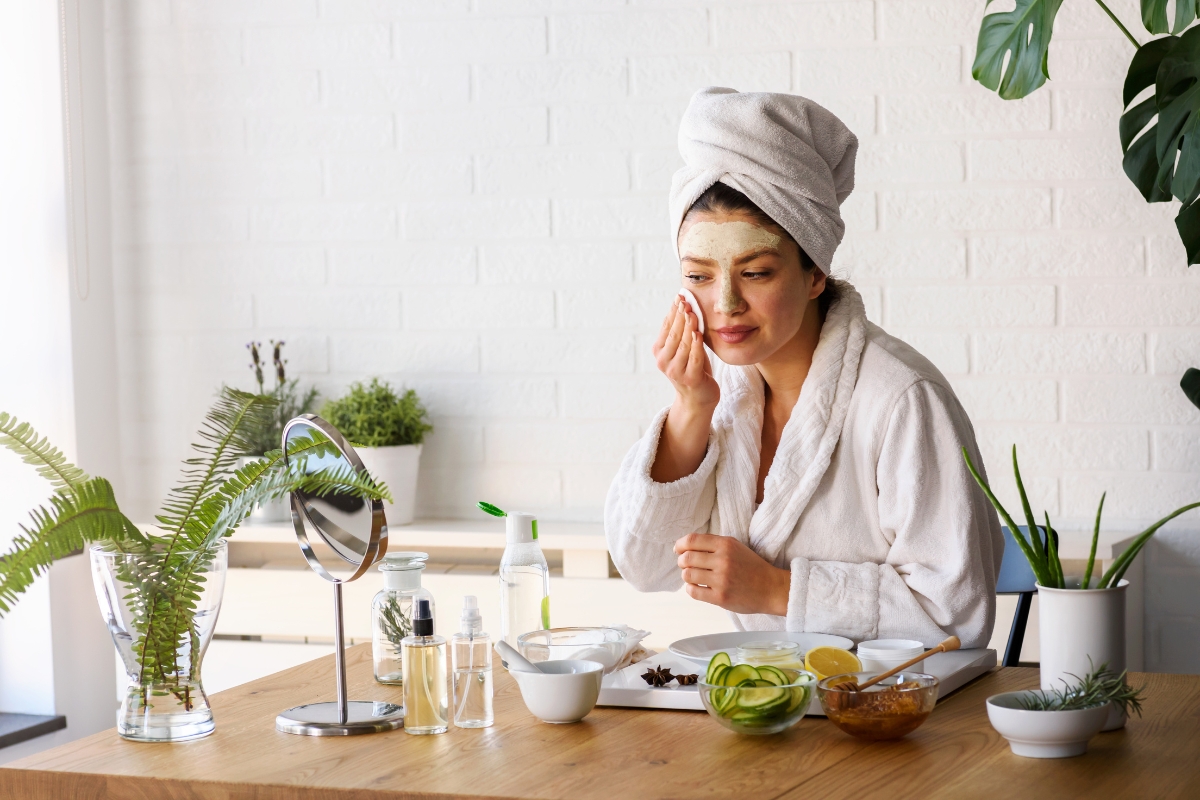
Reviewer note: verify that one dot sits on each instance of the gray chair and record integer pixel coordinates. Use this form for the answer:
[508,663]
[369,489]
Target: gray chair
[1016,577]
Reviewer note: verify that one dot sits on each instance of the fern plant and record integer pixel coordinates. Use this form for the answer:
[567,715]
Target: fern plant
[166,567]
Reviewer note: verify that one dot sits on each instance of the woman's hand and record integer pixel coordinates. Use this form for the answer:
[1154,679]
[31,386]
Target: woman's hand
[679,354]
[723,571]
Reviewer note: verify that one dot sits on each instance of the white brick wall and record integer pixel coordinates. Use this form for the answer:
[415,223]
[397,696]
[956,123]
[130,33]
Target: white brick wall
[469,198]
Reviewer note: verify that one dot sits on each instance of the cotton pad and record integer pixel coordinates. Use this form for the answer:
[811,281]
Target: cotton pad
[695,304]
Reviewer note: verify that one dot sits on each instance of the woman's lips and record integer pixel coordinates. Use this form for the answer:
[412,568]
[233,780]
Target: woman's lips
[735,333]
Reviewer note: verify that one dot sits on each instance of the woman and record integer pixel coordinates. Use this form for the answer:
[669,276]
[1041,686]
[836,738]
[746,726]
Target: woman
[811,477]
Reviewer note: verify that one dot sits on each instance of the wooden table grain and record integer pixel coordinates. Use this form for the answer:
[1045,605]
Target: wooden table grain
[614,753]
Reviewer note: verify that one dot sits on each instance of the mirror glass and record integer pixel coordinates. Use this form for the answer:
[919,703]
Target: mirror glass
[351,526]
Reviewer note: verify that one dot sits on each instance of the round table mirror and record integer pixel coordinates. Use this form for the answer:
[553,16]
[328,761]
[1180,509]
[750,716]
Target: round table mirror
[341,536]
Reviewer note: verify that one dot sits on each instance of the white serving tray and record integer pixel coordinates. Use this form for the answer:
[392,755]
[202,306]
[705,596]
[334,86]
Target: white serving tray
[953,670]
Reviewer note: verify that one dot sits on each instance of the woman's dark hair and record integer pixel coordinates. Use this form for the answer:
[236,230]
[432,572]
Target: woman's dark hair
[722,199]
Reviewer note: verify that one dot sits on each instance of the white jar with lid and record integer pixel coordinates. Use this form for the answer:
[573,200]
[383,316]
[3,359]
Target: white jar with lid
[392,610]
[881,655]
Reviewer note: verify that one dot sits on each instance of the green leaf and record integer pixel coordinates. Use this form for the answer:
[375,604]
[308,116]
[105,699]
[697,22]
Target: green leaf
[1022,36]
[1154,15]
[1160,135]
[1190,383]
[488,508]
[77,516]
[1036,564]
[22,439]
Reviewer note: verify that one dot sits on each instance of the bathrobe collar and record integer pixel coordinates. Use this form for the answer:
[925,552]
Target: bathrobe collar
[806,444]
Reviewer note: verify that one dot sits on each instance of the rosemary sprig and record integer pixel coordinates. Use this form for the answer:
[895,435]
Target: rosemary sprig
[1098,687]
[396,624]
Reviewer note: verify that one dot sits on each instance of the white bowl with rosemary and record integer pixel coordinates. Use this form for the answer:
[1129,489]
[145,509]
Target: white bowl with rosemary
[1060,722]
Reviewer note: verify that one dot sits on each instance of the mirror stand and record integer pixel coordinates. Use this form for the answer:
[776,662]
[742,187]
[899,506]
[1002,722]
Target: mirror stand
[357,533]
[343,717]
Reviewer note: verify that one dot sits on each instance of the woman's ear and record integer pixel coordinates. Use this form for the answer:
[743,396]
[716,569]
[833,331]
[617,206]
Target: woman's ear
[818,284]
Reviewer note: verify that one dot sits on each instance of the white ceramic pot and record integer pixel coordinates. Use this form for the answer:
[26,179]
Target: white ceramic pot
[1043,734]
[1078,631]
[397,467]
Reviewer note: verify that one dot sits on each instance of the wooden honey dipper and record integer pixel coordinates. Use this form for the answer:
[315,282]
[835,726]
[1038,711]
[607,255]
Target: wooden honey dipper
[945,647]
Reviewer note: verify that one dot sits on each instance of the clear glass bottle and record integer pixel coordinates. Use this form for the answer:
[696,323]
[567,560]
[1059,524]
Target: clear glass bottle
[392,610]
[471,656]
[426,694]
[524,580]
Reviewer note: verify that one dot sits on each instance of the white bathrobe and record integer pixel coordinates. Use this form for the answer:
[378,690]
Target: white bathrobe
[868,500]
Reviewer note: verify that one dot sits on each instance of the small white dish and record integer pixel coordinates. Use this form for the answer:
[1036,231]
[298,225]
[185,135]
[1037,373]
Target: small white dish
[561,691]
[1044,734]
[699,649]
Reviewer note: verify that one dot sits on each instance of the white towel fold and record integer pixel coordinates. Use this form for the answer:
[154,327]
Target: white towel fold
[793,158]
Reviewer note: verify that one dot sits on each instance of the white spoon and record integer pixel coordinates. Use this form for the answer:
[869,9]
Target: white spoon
[512,659]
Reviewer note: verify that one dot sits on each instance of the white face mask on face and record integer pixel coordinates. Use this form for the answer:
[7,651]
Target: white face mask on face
[724,243]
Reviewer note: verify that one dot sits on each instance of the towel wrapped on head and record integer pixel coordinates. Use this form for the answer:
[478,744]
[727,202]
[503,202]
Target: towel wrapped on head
[793,158]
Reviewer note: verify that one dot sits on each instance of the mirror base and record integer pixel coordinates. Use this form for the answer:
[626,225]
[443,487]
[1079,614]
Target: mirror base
[323,719]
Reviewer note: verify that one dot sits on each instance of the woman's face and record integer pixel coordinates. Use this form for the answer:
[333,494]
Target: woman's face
[749,282]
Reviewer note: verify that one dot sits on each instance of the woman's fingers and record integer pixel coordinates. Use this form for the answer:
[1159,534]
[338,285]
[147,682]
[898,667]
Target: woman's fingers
[671,345]
[697,559]
[683,348]
[706,542]
[697,360]
[668,321]
[697,577]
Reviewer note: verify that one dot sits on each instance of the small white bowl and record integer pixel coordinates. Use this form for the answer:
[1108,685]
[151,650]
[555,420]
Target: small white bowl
[564,691]
[1044,734]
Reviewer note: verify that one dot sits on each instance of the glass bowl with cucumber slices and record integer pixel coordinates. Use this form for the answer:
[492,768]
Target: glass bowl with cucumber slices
[755,700]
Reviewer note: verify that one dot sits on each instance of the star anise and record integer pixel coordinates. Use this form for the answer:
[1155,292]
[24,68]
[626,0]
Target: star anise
[687,680]
[658,677]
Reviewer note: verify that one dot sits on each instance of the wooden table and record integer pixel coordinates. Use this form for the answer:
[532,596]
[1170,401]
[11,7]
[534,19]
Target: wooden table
[615,753]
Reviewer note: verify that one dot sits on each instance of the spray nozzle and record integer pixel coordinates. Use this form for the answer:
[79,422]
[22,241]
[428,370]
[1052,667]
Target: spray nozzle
[422,618]
[472,620]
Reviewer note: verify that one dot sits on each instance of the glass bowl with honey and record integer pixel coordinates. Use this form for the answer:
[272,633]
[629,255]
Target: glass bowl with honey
[892,708]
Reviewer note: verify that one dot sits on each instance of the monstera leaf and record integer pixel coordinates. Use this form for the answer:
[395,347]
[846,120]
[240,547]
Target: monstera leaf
[1025,33]
[1190,383]
[1154,15]
[1163,160]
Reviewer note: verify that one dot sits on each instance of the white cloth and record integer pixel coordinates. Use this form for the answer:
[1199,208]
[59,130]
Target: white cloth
[868,500]
[792,157]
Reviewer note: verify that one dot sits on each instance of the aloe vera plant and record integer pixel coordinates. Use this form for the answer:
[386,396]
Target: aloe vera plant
[170,562]
[1041,546]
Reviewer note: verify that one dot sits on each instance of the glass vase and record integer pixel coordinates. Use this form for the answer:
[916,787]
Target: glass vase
[161,608]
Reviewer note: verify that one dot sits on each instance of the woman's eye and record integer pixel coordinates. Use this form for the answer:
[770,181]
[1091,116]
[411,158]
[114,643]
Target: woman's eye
[695,278]
[753,275]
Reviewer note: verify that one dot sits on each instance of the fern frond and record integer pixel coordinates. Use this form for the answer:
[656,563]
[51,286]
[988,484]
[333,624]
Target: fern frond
[22,439]
[76,517]
[226,434]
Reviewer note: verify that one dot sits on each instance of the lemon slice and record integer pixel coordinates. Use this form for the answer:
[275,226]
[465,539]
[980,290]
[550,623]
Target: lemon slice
[826,661]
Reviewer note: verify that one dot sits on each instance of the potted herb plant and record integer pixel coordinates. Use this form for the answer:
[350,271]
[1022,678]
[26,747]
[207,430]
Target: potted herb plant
[387,430]
[289,402]
[1080,623]
[160,590]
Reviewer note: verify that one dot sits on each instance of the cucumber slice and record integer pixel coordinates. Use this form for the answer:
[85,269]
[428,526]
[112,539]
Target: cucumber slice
[773,674]
[718,660]
[763,683]
[761,698]
[742,672]
[717,677]
[799,696]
